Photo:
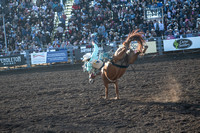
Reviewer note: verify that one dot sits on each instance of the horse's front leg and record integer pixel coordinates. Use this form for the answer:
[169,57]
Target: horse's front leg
[116,90]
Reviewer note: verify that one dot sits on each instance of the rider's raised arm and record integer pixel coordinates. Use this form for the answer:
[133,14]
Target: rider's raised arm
[95,52]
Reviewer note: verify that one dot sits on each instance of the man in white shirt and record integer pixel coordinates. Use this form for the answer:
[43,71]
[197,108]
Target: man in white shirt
[34,7]
[161,28]
[60,31]
[102,30]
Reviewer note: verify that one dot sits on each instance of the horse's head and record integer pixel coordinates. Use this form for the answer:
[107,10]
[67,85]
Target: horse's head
[133,54]
[135,36]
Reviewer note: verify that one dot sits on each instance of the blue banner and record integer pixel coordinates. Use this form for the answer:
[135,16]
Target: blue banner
[57,56]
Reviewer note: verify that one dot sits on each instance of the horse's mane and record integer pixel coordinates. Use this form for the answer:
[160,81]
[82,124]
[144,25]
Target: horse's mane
[135,36]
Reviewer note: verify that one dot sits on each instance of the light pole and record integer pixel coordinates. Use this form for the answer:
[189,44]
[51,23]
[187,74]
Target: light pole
[2,9]
[4,27]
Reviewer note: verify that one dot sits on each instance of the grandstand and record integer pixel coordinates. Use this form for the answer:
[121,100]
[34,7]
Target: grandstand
[42,24]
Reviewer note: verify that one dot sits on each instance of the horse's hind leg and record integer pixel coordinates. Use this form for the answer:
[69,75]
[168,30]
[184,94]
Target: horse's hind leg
[106,90]
[116,90]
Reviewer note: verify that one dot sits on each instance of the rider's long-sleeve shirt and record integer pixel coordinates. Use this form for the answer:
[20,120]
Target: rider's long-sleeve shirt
[94,56]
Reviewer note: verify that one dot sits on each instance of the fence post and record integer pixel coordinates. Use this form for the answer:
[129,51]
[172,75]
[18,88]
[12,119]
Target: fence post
[71,54]
[28,59]
[160,48]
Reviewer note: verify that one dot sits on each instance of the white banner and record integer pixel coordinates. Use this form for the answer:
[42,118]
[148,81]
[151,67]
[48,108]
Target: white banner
[181,44]
[39,58]
[83,49]
[88,50]
[151,47]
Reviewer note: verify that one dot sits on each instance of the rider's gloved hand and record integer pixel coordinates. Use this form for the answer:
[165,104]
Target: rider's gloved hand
[93,42]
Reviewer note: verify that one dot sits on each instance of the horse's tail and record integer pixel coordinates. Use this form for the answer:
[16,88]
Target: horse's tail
[135,36]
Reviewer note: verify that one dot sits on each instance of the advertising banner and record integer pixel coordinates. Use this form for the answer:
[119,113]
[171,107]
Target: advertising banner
[39,58]
[58,56]
[83,49]
[151,47]
[12,60]
[87,50]
[181,44]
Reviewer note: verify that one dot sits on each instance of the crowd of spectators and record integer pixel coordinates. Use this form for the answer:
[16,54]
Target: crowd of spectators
[112,20]
[30,26]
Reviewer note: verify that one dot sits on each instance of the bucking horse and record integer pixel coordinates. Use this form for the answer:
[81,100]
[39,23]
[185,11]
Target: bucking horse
[115,68]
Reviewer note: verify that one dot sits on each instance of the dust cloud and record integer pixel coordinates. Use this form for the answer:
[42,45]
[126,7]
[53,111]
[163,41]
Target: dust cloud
[171,92]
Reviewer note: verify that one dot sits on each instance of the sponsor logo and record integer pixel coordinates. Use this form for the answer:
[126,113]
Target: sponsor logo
[35,55]
[11,60]
[182,43]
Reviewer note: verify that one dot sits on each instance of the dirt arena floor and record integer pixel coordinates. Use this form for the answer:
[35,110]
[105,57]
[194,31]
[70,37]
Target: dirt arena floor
[161,94]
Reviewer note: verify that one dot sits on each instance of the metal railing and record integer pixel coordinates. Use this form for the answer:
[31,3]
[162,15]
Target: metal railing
[74,53]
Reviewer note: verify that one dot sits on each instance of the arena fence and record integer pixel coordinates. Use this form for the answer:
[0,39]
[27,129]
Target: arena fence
[73,55]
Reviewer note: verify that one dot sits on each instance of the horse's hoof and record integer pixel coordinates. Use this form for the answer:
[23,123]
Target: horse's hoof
[115,98]
[104,97]
[91,81]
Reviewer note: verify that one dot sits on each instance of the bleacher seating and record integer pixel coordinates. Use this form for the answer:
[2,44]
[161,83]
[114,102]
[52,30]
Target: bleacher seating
[48,23]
